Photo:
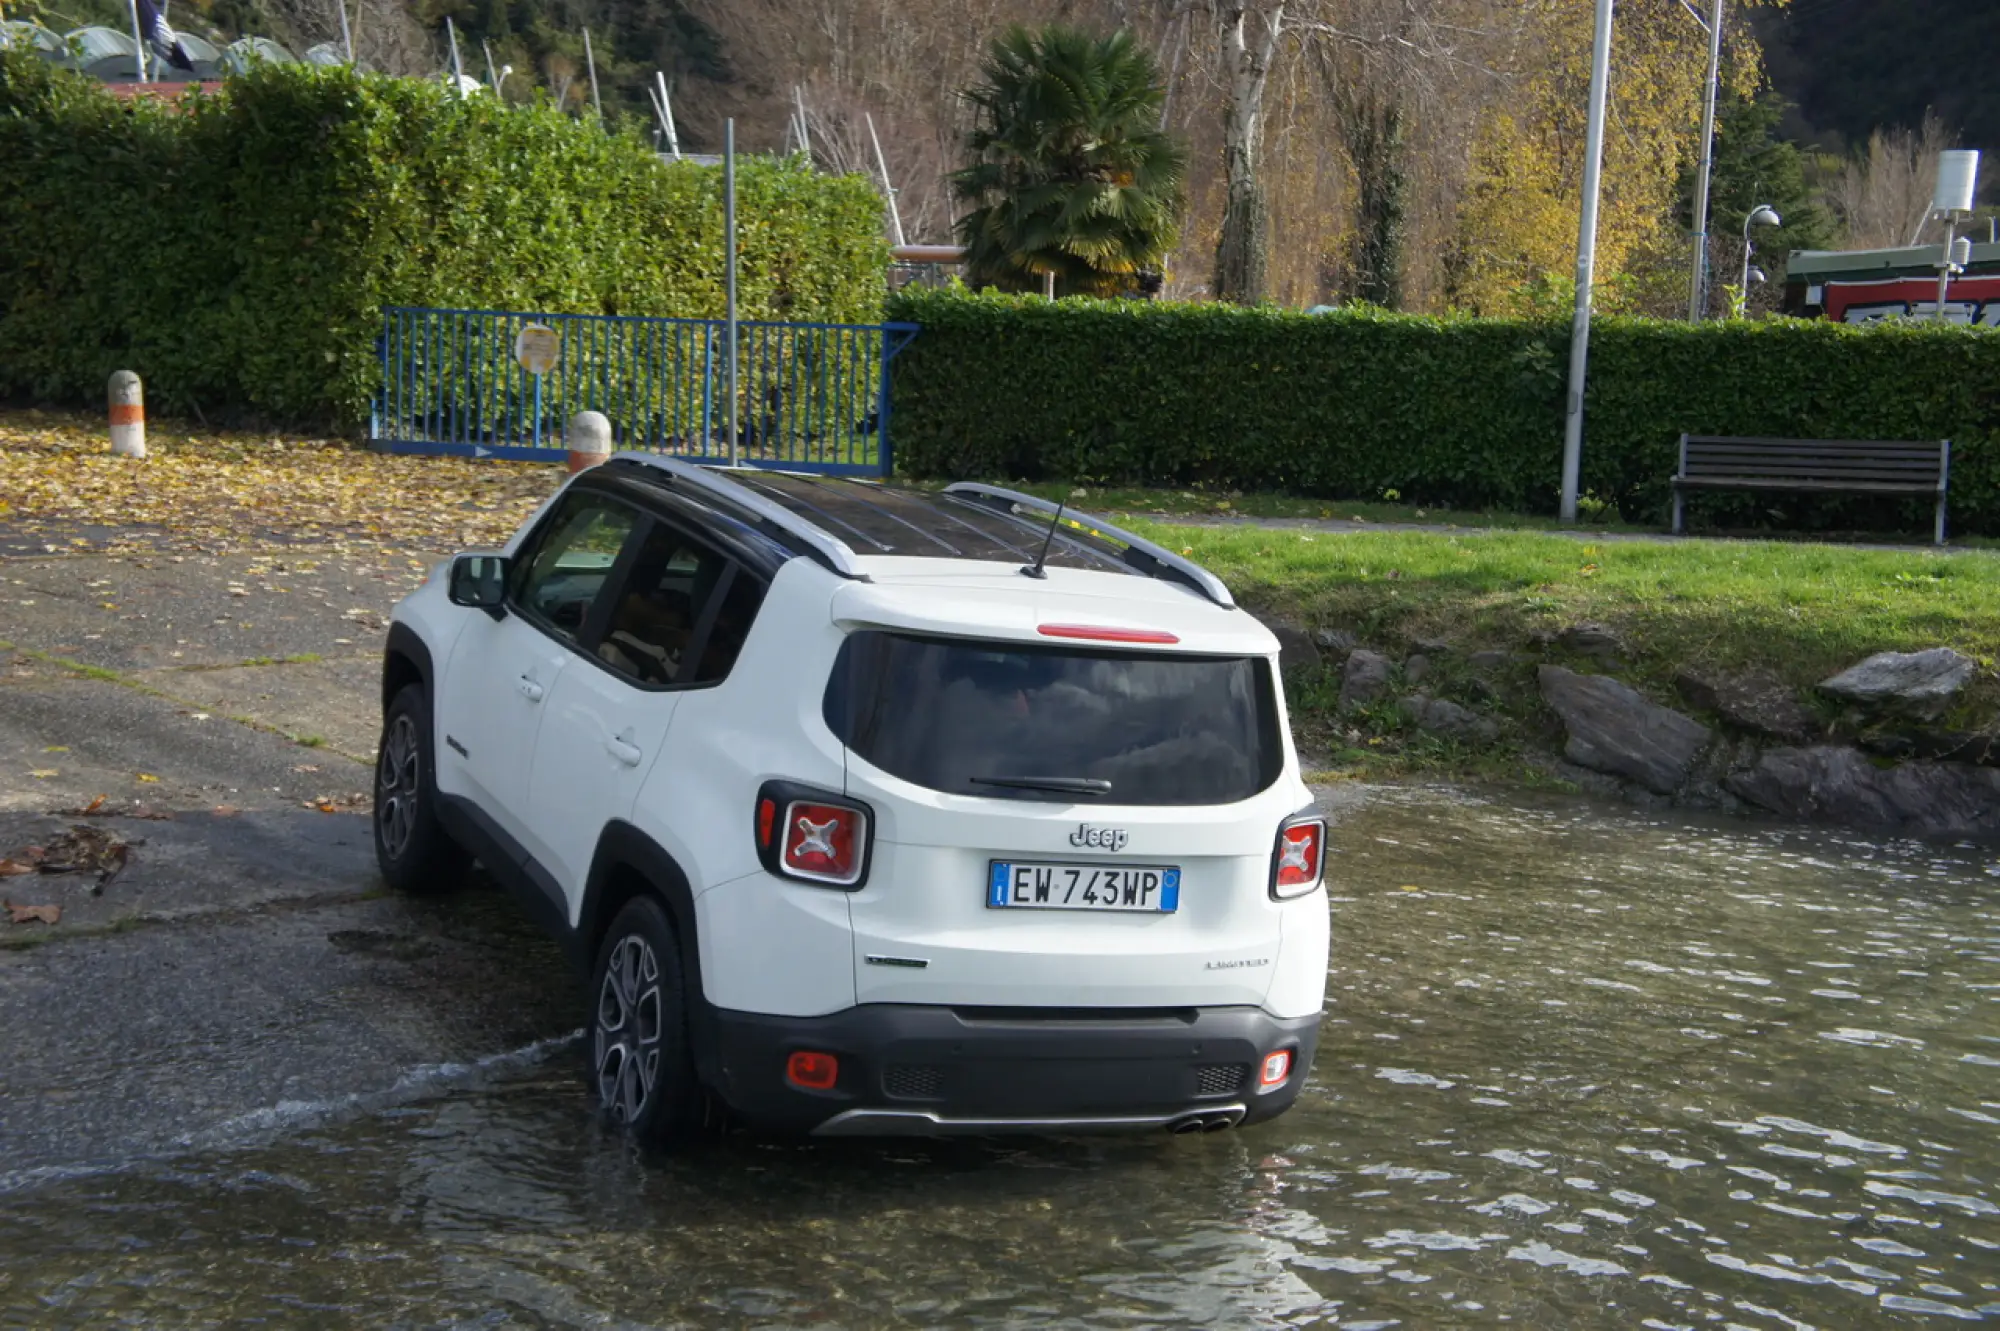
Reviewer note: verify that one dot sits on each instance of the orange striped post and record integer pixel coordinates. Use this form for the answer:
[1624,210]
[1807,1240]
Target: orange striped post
[589,440]
[128,415]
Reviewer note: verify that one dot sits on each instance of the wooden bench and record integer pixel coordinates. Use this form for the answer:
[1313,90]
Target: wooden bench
[1893,467]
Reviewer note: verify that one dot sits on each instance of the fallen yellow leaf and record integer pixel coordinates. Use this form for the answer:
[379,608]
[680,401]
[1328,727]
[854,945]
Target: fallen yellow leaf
[147,776]
[43,773]
[57,748]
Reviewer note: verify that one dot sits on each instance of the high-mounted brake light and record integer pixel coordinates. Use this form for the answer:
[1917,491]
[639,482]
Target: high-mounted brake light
[813,835]
[1300,858]
[1105,633]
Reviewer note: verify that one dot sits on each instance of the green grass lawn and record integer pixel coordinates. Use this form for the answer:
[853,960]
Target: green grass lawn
[1799,607]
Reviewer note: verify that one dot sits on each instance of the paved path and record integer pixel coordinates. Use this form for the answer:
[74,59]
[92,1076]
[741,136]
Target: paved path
[246,970]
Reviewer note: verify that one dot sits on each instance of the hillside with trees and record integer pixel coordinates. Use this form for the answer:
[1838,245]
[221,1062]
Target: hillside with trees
[1414,154]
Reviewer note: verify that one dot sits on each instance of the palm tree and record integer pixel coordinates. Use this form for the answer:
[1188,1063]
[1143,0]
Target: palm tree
[1068,171]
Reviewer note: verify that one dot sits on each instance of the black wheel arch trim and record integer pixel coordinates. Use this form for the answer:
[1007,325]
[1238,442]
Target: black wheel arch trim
[622,847]
[405,642]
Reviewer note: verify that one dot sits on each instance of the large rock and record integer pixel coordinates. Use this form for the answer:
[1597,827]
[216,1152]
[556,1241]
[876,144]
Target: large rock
[1365,680]
[1598,641]
[1295,646]
[1916,684]
[1613,729]
[1756,701]
[1436,716]
[1833,784]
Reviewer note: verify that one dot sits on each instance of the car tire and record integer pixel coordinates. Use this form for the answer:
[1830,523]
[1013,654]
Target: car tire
[638,1061]
[412,848]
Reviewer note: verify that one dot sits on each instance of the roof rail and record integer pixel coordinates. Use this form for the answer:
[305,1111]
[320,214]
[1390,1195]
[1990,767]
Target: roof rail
[1152,560]
[835,553]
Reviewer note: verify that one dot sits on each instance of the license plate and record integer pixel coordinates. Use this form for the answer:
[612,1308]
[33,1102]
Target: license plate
[1043,885]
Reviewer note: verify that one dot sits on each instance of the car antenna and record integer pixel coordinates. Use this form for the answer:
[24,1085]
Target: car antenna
[1034,570]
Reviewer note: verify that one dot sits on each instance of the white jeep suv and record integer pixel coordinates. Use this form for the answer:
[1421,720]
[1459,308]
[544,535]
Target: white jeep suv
[871,810]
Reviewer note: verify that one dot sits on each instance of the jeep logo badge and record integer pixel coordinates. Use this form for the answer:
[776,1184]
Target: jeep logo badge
[1099,838]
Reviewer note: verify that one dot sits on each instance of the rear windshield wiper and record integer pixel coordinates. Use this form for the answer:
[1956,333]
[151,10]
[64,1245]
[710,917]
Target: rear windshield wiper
[1066,785]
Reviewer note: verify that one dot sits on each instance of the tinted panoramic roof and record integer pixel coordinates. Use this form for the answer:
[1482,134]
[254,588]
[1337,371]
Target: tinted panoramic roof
[884,519]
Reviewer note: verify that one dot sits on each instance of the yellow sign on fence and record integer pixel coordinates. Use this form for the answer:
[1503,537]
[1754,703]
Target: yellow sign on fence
[538,347]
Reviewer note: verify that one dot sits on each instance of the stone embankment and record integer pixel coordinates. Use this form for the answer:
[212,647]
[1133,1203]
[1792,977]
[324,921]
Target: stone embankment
[1868,748]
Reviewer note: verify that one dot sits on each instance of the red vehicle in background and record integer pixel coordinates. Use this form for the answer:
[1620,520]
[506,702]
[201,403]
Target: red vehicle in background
[1867,286]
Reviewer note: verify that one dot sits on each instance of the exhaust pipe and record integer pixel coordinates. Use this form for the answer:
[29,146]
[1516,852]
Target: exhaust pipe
[1207,1120]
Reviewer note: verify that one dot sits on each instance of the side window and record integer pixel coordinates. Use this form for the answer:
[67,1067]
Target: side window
[734,614]
[562,576]
[653,624]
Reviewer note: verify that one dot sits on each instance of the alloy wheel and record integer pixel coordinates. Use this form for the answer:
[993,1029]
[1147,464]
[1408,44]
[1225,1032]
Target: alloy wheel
[626,1050]
[397,773]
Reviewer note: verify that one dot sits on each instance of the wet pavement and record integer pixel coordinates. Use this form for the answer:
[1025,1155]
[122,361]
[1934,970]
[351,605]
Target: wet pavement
[1582,1067]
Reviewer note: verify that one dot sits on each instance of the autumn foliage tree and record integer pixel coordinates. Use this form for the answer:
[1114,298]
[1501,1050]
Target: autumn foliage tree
[1067,172]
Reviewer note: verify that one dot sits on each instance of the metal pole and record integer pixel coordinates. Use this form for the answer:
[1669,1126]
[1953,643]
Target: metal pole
[591,60]
[881,162]
[1944,269]
[667,109]
[492,79]
[1744,288]
[457,68]
[729,271]
[1698,285]
[1586,261]
[346,33]
[138,44]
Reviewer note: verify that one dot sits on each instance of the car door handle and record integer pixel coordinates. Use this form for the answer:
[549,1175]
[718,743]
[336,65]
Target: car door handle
[624,751]
[529,689]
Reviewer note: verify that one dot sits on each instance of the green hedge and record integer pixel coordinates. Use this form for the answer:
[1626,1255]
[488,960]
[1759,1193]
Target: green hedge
[1457,412]
[236,253]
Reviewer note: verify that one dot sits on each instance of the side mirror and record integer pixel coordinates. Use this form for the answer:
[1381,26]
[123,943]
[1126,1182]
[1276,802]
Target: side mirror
[479,582]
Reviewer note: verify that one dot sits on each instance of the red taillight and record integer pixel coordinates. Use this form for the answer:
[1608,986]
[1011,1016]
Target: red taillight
[767,817]
[812,1070]
[1276,1068]
[824,842]
[1105,633]
[1301,855]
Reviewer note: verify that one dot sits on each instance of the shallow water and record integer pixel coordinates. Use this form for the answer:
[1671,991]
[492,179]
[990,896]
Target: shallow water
[1581,1067]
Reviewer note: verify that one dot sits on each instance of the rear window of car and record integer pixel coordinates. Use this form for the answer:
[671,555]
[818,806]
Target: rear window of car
[993,719]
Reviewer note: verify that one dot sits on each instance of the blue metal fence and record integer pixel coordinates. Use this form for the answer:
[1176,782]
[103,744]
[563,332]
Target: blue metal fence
[810,396]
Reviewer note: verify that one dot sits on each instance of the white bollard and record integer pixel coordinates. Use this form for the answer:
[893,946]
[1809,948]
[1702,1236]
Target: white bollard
[589,439]
[128,415]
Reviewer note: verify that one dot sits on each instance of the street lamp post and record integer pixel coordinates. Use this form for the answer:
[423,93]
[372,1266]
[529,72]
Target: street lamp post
[1586,261]
[1762,215]
[1698,285]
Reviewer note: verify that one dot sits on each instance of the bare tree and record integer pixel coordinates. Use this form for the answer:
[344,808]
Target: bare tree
[1884,192]
[1250,34]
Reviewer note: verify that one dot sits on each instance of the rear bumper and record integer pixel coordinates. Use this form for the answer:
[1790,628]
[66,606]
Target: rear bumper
[921,1070]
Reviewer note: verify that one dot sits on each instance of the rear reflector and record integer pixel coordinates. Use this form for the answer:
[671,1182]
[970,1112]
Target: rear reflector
[1105,633]
[823,842]
[812,1070]
[1276,1068]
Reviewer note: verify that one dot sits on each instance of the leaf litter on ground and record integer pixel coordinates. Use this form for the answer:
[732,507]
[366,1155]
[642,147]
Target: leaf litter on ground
[221,492]
[83,849]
